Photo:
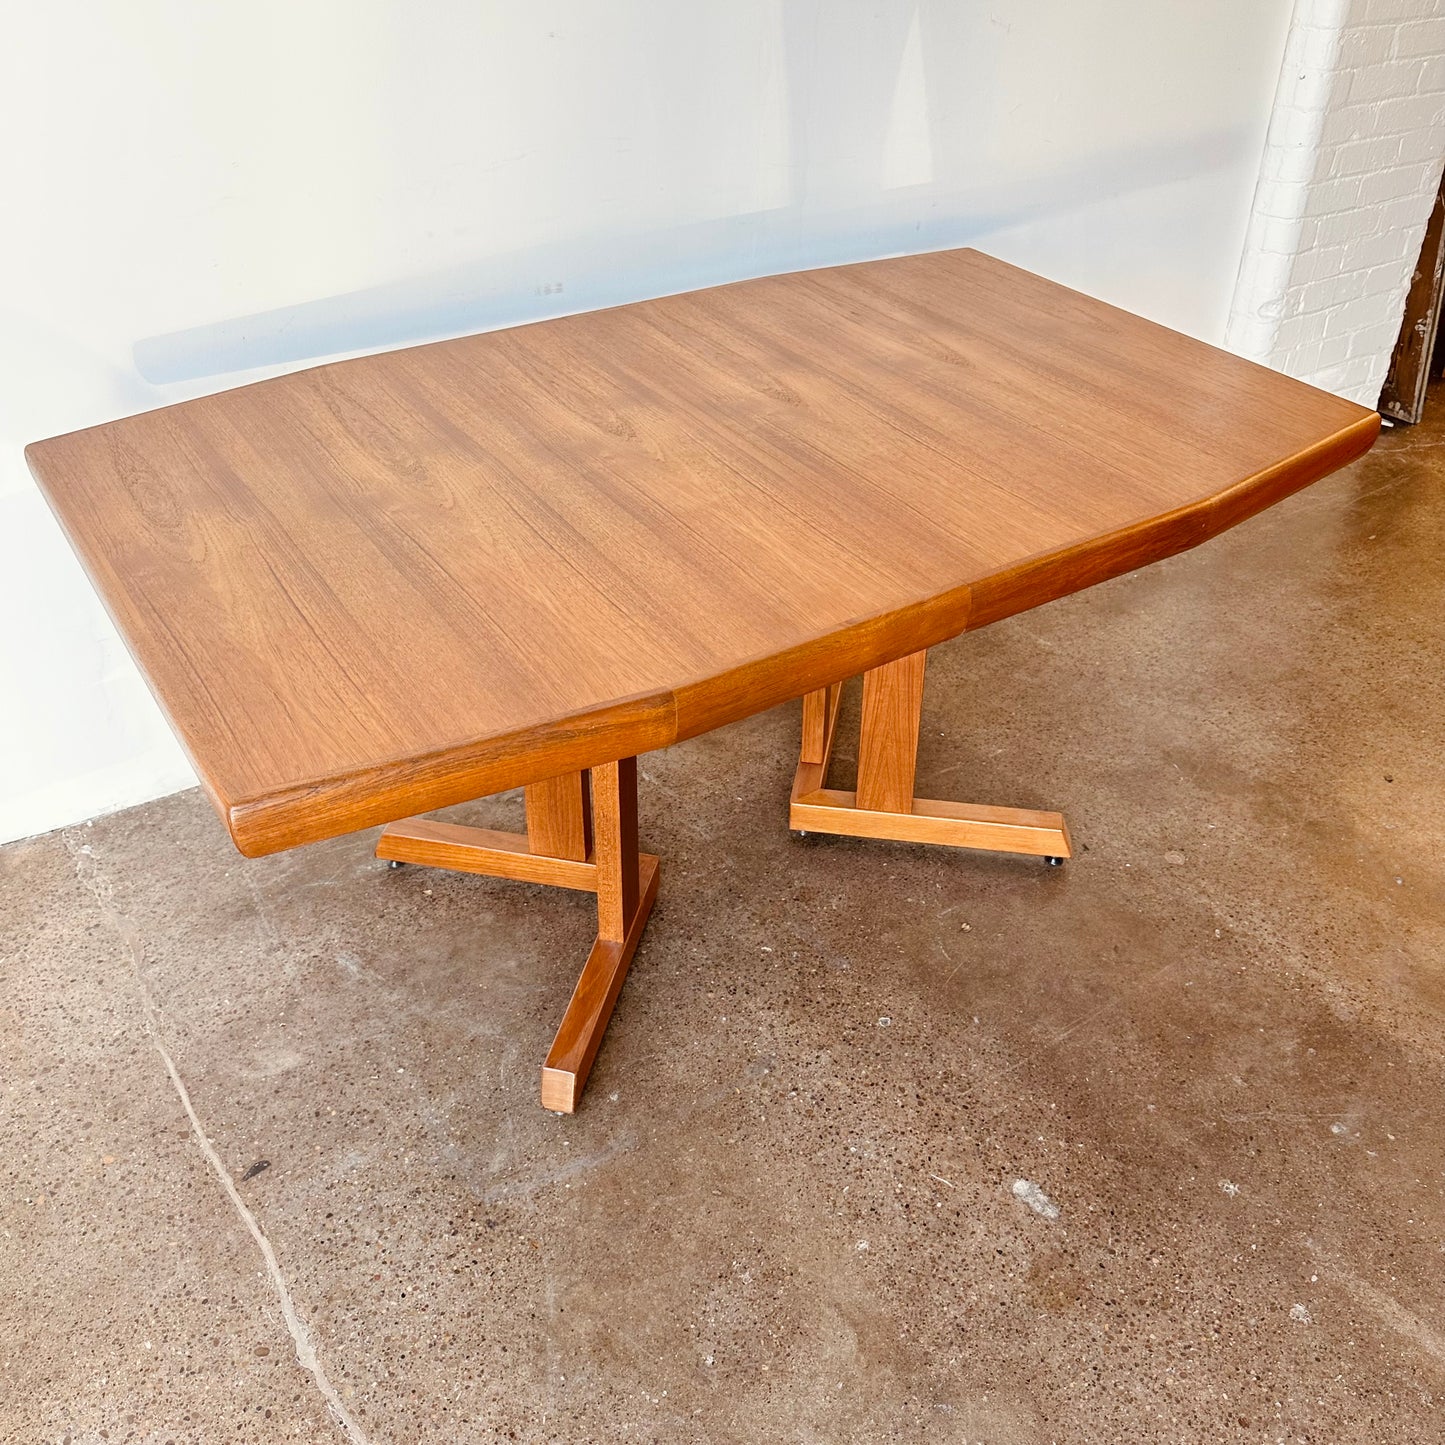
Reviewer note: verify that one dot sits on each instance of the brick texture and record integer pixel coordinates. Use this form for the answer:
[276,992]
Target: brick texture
[1350,170]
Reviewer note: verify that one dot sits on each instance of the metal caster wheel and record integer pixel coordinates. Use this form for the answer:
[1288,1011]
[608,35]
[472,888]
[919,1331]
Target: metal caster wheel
[798,833]
[1054,862]
[395,863]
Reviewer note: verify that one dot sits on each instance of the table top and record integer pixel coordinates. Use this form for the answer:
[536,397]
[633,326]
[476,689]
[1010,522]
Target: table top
[386,585]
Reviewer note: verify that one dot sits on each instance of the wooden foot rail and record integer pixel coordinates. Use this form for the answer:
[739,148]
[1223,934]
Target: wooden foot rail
[582,834]
[883,805]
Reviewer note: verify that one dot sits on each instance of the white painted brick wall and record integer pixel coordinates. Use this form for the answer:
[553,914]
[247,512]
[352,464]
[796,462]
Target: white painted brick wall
[1350,170]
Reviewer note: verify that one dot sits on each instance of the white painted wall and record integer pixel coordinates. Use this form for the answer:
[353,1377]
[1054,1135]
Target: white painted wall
[1350,172]
[196,195]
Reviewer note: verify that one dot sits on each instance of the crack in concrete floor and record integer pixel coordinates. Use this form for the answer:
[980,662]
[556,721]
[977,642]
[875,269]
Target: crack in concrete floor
[89,871]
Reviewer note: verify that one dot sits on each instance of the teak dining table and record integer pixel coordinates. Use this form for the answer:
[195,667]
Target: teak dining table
[379,587]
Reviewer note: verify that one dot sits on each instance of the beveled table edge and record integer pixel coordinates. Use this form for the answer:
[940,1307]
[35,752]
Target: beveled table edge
[384,792]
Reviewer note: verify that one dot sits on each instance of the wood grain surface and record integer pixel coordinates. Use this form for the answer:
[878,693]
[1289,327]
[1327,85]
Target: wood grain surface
[925,820]
[386,585]
[888,733]
[559,816]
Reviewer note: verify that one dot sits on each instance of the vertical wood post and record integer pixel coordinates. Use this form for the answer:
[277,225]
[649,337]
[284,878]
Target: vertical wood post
[626,887]
[614,842]
[559,817]
[888,738]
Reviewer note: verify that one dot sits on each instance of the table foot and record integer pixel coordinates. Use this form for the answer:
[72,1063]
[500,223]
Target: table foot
[581,834]
[952,825]
[883,805]
[569,1060]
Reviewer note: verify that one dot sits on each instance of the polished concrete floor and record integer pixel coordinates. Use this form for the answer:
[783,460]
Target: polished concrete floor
[884,1143]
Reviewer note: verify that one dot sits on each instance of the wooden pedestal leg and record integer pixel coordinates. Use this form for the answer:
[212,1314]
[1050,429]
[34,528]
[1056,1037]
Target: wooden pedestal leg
[582,834]
[888,735]
[883,806]
[626,888]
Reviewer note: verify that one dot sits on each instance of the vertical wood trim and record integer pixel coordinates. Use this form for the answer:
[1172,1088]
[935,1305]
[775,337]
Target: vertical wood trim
[559,817]
[888,741]
[1403,394]
[614,843]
